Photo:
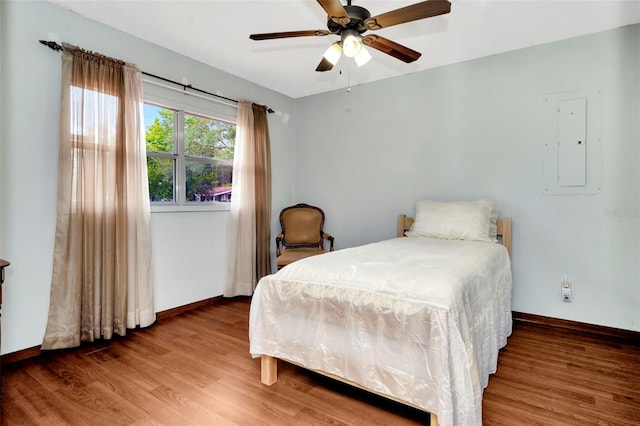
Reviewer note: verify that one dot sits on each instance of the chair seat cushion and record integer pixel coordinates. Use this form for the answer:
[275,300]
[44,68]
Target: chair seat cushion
[291,255]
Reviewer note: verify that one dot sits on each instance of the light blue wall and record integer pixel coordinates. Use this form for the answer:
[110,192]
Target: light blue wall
[189,248]
[477,130]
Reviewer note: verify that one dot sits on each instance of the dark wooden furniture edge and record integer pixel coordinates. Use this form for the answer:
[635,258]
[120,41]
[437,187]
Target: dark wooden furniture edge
[582,327]
[3,264]
[35,350]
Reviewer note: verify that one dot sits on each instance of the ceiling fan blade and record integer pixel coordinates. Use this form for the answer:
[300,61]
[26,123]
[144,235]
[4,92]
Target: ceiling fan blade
[324,65]
[287,34]
[391,48]
[414,12]
[336,11]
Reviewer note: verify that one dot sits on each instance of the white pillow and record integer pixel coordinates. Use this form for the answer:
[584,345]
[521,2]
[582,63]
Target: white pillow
[455,220]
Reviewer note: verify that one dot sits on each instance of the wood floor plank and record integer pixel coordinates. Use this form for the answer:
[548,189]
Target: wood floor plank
[33,403]
[192,411]
[234,409]
[95,404]
[195,369]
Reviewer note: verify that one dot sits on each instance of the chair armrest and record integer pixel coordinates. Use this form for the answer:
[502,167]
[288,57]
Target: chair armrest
[279,238]
[330,238]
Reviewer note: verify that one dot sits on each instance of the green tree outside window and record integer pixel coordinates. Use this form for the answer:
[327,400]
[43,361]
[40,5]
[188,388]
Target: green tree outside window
[208,156]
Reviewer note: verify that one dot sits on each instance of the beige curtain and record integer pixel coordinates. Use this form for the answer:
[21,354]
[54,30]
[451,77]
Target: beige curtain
[263,191]
[249,257]
[101,282]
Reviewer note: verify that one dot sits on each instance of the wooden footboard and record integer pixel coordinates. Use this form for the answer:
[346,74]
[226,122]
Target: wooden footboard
[269,375]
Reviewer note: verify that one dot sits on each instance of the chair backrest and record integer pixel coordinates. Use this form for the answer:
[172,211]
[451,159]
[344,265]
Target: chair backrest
[302,225]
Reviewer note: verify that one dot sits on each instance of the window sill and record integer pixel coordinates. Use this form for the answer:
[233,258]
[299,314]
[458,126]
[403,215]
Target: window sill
[174,208]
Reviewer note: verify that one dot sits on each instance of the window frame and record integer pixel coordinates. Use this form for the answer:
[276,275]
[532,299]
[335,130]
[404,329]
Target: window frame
[180,158]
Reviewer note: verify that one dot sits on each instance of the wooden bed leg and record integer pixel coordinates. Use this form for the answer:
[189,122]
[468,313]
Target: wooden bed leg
[433,420]
[268,370]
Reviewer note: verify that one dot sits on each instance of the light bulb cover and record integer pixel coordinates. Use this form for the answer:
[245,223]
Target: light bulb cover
[333,53]
[362,57]
[351,43]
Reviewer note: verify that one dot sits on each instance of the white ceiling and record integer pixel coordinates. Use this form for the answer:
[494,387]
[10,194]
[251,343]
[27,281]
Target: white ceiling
[216,32]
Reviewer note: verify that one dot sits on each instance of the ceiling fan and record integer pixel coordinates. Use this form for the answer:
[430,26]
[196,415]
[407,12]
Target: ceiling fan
[350,22]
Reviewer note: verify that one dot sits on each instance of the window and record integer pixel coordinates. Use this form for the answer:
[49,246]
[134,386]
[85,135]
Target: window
[189,156]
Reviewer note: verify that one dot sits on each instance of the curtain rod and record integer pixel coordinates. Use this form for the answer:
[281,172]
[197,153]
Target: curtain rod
[55,46]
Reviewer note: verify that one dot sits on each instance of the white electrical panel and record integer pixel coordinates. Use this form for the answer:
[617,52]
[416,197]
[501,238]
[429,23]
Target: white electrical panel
[572,136]
[572,143]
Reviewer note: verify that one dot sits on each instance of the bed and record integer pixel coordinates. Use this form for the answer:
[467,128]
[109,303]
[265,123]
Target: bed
[419,320]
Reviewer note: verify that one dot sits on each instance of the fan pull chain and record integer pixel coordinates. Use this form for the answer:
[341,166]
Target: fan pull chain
[348,81]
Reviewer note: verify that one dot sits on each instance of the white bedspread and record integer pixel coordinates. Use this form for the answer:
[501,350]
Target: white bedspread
[418,319]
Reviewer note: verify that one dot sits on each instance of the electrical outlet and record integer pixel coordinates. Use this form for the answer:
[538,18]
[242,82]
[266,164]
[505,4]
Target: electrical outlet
[566,290]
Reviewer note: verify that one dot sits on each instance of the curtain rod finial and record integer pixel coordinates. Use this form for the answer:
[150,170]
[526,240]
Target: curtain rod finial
[51,45]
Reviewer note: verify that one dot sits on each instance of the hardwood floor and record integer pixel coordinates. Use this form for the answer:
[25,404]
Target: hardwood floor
[194,369]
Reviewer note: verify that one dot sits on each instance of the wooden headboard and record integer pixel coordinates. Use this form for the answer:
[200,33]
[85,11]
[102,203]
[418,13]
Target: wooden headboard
[504,229]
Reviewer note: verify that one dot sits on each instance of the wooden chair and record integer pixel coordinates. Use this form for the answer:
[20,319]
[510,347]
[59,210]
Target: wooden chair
[302,234]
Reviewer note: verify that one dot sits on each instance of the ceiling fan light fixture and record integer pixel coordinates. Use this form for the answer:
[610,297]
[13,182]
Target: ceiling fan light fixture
[362,57]
[350,22]
[333,53]
[351,43]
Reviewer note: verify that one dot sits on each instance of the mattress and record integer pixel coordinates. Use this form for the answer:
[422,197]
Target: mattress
[420,320]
